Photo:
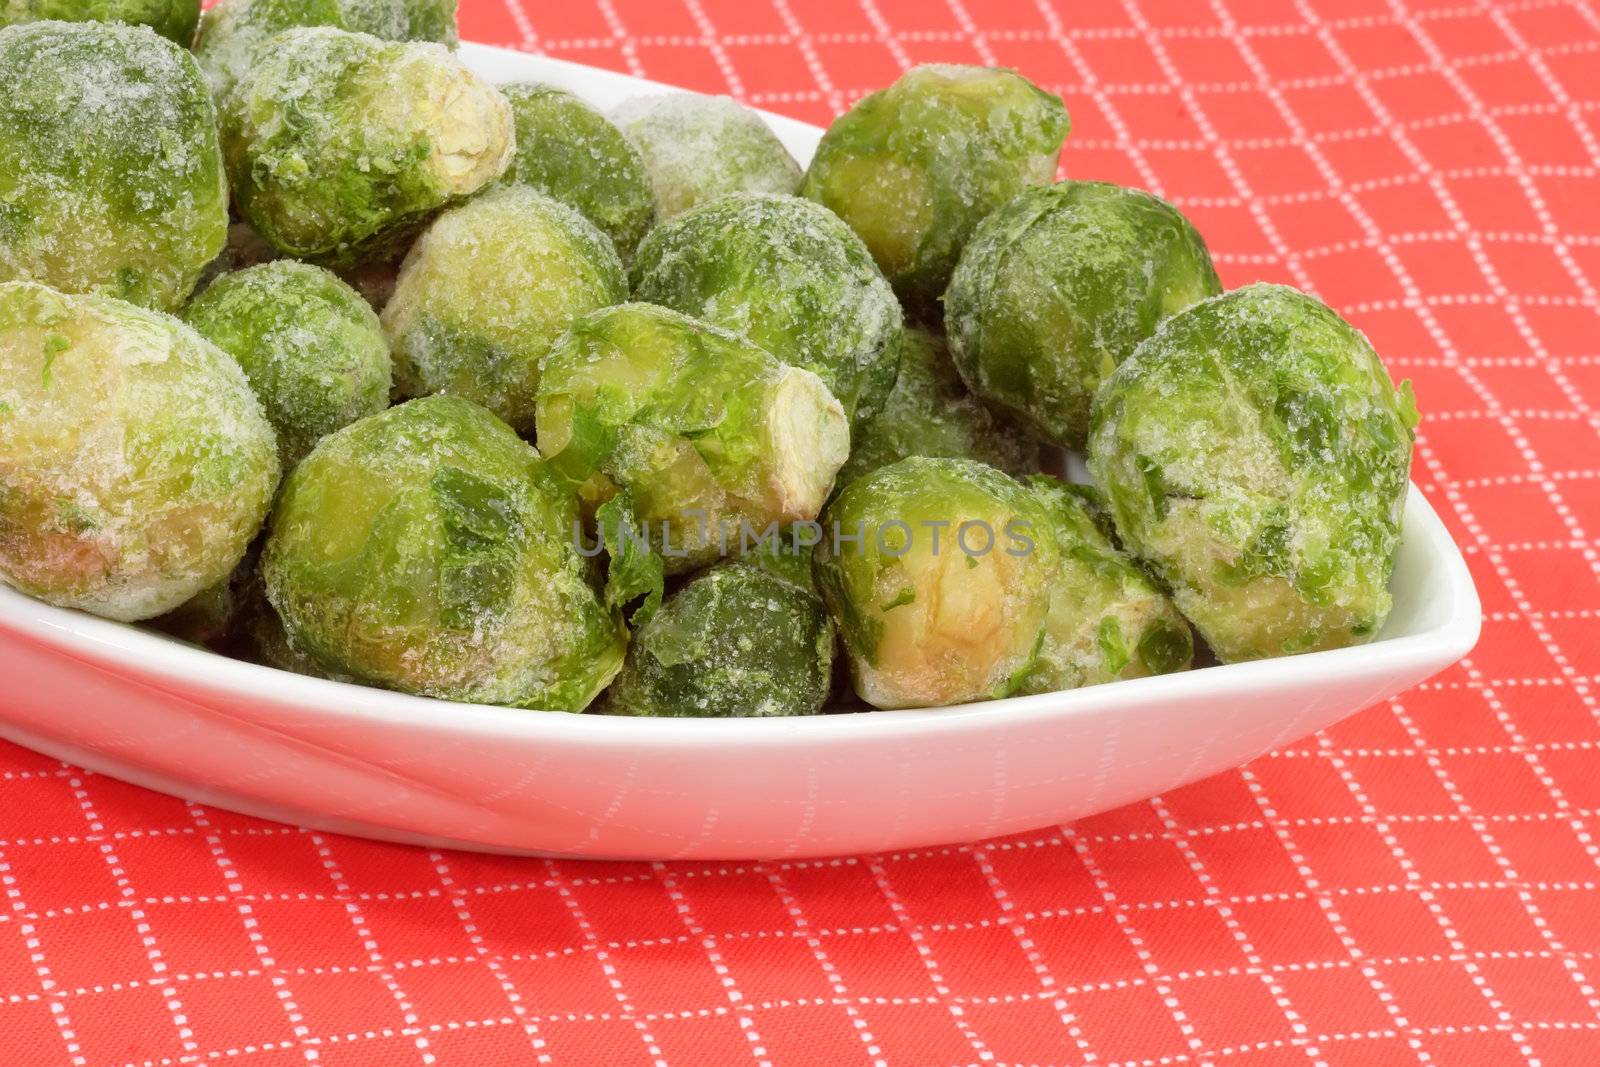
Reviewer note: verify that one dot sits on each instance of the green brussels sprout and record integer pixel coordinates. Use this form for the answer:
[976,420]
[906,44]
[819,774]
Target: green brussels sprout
[339,144]
[930,413]
[914,167]
[1255,455]
[704,436]
[937,572]
[486,291]
[426,549]
[311,347]
[1107,620]
[233,31]
[135,464]
[110,176]
[173,19]
[266,642]
[1058,287]
[697,148]
[569,150]
[256,633]
[791,277]
[735,640]
[233,618]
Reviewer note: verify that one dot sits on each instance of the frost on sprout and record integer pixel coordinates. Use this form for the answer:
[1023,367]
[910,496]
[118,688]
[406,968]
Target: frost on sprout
[697,148]
[311,347]
[1255,455]
[486,291]
[1058,287]
[788,275]
[173,19]
[232,32]
[692,428]
[914,167]
[1107,620]
[569,150]
[930,413]
[426,549]
[925,622]
[111,180]
[737,639]
[339,144]
[135,465]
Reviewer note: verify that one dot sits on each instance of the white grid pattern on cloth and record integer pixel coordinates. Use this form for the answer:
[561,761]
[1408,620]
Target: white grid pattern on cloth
[282,988]
[803,929]
[384,969]
[1280,996]
[1562,816]
[602,954]
[1164,989]
[513,995]
[136,913]
[1047,980]
[714,956]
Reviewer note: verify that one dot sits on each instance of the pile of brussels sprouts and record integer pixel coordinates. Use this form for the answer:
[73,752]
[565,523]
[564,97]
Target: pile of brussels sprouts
[320,350]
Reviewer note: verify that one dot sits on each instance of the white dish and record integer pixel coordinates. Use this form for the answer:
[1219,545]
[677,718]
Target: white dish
[137,706]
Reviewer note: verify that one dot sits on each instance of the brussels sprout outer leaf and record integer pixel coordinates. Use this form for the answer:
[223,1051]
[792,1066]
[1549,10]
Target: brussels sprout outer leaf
[569,150]
[1106,619]
[737,639]
[111,177]
[937,572]
[1059,286]
[914,167]
[791,277]
[1256,456]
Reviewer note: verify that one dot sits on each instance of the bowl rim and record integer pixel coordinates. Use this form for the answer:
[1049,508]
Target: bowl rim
[799,136]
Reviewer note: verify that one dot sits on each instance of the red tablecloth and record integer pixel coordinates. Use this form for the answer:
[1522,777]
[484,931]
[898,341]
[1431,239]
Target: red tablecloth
[1417,885]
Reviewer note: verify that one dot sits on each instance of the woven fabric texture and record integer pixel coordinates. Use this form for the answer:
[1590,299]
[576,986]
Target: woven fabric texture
[1417,885]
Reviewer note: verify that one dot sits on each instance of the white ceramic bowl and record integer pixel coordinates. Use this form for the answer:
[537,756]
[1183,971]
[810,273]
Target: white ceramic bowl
[135,705]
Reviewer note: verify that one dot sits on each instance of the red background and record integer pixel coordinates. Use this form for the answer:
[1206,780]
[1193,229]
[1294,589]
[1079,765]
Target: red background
[1416,885]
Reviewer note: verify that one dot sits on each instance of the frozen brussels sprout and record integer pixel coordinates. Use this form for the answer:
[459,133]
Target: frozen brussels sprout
[1255,455]
[1107,620]
[698,147]
[173,19]
[135,464]
[569,150]
[486,291]
[705,436]
[110,176]
[1058,287]
[425,549]
[233,31]
[265,641]
[791,277]
[739,639]
[930,413]
[339,144]
[938,573]
[311,347]
[914,167]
